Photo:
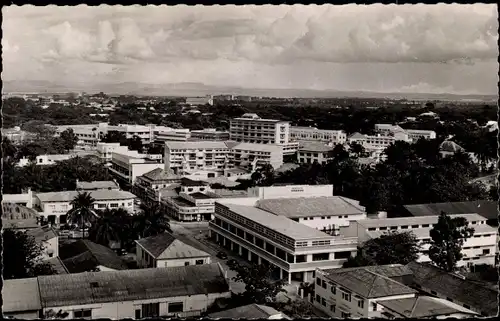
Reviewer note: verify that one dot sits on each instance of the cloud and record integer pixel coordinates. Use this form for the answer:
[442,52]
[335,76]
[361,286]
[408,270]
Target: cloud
[423,87]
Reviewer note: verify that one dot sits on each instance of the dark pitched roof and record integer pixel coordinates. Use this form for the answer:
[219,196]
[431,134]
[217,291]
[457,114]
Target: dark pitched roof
[487,209]
[58,265]
[199,196]
[93,185]
[129,285]
[420,307]
[159,174]
[366,283]
[389,270]
[166,246]
[478,297]
[43,233]
[251,311]
[189,182]
[84,255]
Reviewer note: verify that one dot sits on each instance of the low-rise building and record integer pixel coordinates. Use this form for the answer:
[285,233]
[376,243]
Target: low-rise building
[148,185]
[180,292]
[292,249]
[251,311]
[172,135]
[197,101]
[106,150]
[17,136]
[48,238]
[316,152]
[54,206]
[481,248]
[86,256]
[164,250]
[298,133]
[370,142]
[246,155]
[374,292]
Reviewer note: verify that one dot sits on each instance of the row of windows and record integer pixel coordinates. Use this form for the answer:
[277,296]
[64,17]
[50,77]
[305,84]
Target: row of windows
[325,217]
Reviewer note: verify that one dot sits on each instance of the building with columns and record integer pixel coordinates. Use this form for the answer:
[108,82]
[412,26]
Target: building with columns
[294,250]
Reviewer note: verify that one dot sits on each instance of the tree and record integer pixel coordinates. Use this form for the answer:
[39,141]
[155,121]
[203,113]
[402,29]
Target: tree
[68,139]
[107,227]
[393,248]
[115,137]
[359,260]
[263,176]
[82,212]
[357,149]
[22,256]
[151,221]
[259,288]
[447,239]
[9,150]
[135,143]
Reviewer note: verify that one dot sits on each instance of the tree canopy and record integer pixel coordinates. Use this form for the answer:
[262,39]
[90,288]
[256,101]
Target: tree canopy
[447,239]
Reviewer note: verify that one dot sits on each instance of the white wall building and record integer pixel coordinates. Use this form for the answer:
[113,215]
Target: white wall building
[54,206]
[244,154]
[413,134]
[250,128]
[294,250]
[48,238]
[196,101]
[298,133]
[106,150]
[164,250]
[127,166]
[479,249]
[314,152]
[172,135]
[143,293]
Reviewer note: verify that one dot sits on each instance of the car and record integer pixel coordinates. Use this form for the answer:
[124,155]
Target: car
[222,255]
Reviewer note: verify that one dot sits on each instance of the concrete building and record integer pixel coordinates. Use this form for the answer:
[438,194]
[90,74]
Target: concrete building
[173,135]
[86,256]
[17,136]
[164,250]
[298,133]
[106,150]
[325,213]
[479,249]
[373,292]
[413,134]
[248,155]
[126,167]
[197,101]
[180,292]
[48,238]
[377,141]
[210,134]
[293,250]
[88,134]
[314,152]
[54,206]
[148,185]
[250,128]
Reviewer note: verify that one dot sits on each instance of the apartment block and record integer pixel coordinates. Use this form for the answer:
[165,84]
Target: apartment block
[249,155]
[314,152]
[172,135]
[298,133]
[481,248]
[250,128]
[180,292]
[210,134]
[88,134]
[148,185]
[106,150]
[292,249]
[127,166]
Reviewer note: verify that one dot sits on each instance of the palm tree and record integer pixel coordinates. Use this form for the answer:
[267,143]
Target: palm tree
[108,227]
[152,221]
[83,210]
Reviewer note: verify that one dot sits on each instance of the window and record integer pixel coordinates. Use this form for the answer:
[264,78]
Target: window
[334,289]
[87,313]
[318,298]
[346,296]
[318,281]
[186,263]
[175,307]
[323,284]
[345,315]
[138,313]
[404,227]
[486,251]
[323,302]
[415,226]
[199,262]
[332,308]
[113,205]
[101,205]
[374,306]
[425,225]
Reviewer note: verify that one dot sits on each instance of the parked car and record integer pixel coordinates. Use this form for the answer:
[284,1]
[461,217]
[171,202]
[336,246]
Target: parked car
[222,255]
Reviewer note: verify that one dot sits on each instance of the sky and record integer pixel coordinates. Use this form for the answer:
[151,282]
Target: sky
[382,48]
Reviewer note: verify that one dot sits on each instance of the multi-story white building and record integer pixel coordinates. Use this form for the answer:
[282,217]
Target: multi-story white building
[128,166]
[211,134]
[16,135]
[413,134]
[106,150]
[479,249]
[187,157]
[54,206]
[148,185]
[248,155]
[250,128]
[88,134]
[314,152]
[373,292]
[173,135]
[377,141]
[298,133]
[197,101]
[129,294]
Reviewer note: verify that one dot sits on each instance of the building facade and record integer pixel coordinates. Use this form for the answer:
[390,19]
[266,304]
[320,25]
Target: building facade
[309,153]
[126,167]
[298,133]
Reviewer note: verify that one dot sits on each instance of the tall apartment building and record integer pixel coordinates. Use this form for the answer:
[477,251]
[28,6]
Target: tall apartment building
[248,155]
[250,128]
[481,248]
[298,133]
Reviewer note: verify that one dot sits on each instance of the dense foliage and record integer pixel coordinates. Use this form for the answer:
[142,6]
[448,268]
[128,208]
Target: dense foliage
[22,256]
[447,239]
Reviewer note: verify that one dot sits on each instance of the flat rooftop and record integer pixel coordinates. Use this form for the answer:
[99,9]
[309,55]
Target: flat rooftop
[380,222]
[277,223]
[422,233]
[200,196]
[311,206]
[202,144]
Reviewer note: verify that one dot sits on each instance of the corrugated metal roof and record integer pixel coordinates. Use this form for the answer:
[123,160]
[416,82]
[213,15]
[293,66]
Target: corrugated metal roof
[419,307]
[397,221]
[99,195]
[43,233]
[388,270]
[425,232]
[58,265]
[368,284]
[311,206]
[487,209]
[166,246]
[128,285]
[478,297]
[84,255]
[159,174]
[96,185]
[251,311]
[21,295]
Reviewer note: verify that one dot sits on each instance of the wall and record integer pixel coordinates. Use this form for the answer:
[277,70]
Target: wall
[28,315]
[291,191]
[181,262]
[51,245]
[319,223]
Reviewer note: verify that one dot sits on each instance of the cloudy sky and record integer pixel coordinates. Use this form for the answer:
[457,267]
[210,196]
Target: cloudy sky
[410,48]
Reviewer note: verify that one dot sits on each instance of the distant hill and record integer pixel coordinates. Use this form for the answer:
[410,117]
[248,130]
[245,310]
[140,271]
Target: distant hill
[200,89]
